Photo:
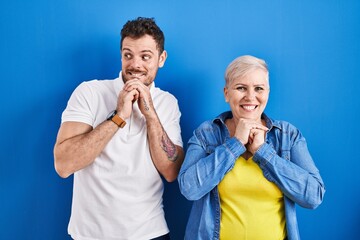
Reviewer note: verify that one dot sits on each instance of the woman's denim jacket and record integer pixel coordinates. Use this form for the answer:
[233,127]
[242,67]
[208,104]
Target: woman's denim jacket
[284,159]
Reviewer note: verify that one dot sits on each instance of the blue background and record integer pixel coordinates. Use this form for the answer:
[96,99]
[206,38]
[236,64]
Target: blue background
[48,47]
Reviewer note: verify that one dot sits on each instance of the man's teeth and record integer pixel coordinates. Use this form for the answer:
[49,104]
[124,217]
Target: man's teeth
[136,73]
[249,107]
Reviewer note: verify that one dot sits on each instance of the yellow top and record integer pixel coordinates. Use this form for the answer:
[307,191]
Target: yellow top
[252,208]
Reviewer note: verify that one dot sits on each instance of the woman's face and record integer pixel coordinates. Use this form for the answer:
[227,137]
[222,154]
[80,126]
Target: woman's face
[248,95]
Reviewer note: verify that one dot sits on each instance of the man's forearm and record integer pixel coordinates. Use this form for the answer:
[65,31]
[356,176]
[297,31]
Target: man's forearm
[166,156]
[78,152]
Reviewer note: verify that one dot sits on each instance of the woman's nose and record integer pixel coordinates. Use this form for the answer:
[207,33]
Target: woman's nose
[250,94]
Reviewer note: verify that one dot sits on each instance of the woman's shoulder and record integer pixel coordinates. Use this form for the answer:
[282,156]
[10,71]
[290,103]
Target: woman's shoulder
[207,125]
[214,123]
[285,128]
[212,131]
[282,125]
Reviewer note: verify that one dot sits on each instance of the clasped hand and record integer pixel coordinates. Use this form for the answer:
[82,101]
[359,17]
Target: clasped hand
[134,90]
[251,134]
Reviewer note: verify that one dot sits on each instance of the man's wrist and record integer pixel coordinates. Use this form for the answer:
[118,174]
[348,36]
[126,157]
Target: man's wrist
[115,118]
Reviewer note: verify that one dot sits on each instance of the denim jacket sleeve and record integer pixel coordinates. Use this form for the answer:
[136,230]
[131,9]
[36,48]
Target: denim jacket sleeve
[294,171]
[206,164]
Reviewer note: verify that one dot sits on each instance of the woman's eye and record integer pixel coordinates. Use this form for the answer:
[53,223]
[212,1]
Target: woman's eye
[258,89]
[241,88]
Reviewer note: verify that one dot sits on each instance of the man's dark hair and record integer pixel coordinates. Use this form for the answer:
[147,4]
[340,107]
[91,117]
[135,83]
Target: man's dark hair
[143,26]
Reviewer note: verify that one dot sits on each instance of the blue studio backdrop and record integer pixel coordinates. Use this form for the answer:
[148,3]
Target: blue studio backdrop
[48,47]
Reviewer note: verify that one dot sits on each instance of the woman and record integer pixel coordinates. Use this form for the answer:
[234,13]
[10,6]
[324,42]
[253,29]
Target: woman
[245,171]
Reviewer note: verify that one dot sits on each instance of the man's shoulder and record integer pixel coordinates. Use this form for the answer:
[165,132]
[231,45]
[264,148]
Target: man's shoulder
[164,95]
[96,85]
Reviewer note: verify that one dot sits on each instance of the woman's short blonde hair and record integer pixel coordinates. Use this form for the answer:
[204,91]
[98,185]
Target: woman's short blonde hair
[241,66]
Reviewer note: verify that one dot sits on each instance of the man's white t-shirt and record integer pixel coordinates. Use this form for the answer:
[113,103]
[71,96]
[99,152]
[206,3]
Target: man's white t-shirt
[119,196]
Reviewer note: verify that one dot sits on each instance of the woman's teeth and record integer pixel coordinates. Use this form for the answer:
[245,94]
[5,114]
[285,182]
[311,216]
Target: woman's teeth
[249,108]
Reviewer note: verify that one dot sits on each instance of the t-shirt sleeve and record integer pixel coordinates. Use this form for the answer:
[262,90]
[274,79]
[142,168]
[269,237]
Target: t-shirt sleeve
[172,126]
[78,108]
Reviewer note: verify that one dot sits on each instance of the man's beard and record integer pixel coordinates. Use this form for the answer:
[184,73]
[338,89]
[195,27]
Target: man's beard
[143,77]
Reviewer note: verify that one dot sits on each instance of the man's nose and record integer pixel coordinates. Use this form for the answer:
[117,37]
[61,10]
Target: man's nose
[135,62]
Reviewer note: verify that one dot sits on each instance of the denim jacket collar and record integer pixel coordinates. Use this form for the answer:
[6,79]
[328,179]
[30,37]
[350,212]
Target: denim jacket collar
[226,115]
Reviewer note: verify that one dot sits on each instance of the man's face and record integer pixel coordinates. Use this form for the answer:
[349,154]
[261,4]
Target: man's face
[140,59]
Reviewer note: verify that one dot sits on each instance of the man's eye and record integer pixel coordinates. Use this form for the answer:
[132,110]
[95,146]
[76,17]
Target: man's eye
[258,89]
[127,56]
[146,57]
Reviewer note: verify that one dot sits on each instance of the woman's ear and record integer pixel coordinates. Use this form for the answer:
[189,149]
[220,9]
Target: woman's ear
[226,92]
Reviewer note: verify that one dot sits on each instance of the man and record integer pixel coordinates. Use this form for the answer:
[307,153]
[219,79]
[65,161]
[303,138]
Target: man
[117,137]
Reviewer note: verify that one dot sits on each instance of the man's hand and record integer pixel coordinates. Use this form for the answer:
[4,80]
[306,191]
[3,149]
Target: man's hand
[126,99]
[167,157]
[143,96]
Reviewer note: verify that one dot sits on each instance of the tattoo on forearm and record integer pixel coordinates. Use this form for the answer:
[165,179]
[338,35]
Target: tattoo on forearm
[169,148]
[146,105]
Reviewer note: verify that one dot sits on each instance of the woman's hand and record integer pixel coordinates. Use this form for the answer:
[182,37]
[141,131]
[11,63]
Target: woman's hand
[247,130]
[256,139]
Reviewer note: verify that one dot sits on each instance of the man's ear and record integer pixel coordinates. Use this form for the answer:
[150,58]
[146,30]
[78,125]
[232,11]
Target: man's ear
[162,59]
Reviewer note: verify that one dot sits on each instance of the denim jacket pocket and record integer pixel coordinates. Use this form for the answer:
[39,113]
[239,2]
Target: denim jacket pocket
[208,140]
[210,149]
[285,154]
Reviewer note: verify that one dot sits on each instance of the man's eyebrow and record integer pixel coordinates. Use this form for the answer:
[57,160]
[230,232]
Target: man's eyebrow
[147,51]
[143,51]
[126,49]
